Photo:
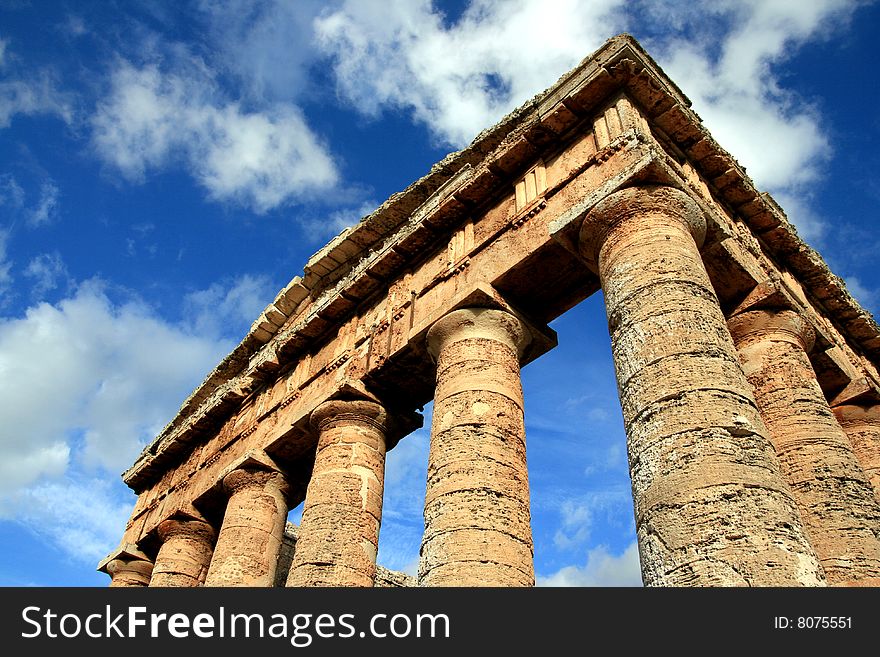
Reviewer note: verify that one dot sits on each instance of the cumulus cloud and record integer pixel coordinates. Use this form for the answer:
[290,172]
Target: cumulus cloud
[152,119]
[85,526]
[253,40]
[86,383]
[458,79]
[602,568]
[111,374]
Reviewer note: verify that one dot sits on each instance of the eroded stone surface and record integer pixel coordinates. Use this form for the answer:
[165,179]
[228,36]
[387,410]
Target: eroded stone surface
[477,523]
[185,555]
[711,505]
[129,572]
[253,525]
[339,533]
[834,496]
[862,427]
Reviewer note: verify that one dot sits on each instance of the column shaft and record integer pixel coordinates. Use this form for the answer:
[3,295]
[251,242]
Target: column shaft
[711,506]
[834,496]
[477,521]
[339,534]
[253,527]
[185,554]
[862,427]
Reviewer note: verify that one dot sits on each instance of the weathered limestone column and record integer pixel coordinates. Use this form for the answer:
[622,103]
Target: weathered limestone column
[253,528]
[129,573]
[127,566]
[835,497]
[183,559]
[711,506]
[339,534]
[862,427]
[477,522]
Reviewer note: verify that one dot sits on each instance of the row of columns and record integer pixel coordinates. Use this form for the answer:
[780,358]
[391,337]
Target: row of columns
[741,472]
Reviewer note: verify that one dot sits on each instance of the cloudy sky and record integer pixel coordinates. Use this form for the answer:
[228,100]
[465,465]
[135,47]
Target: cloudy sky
[166,167]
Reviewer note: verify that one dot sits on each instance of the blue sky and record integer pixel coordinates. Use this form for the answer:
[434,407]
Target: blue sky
[166,167]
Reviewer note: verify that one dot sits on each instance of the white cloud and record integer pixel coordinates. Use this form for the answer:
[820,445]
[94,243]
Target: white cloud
[46,209]
[228,309]
[13,197]
[86,383]
[602,568]
[47,271]
[462,78]
[325,228]
[579,515]
[33,93]
[5,267]
[83,516]
[267,44]
[90,376]
[864,295]
[261,160]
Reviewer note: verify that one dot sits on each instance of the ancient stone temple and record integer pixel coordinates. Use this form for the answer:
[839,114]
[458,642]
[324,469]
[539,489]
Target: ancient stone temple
[747,374]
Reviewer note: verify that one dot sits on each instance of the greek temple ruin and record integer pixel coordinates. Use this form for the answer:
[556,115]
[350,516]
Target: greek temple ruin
[746,372]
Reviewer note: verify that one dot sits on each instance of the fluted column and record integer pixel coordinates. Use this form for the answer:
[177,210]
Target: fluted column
[339,534]
[252,531]
[477,523]
[862,427]
[710,502]
[835,497]
[183,559]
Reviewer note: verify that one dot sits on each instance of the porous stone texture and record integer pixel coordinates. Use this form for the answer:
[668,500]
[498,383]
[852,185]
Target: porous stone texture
[384,578]
[183,559]
[253,525]
[129,572]
[711,506]
[477,522]
[339,533]
[834,496]
[862,427]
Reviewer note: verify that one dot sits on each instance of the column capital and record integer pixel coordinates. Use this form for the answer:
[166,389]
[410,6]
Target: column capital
[246,477]
[350,411]
[137,567]
[778,325]
[487,323]
[857,414]
[629,202]
[186,528]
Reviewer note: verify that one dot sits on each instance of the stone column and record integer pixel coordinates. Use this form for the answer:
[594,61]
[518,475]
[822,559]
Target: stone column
[834,495]
[339,534]
[127,566]
[862,427]
[253,528]
[477,522]
[186,550]
[711,506]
